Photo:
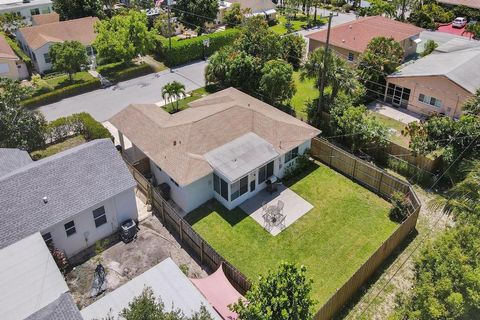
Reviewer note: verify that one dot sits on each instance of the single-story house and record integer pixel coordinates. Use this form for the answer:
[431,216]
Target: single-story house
[40,19]
[73,198]
[438,83]
[225,146]
[474,4]
[32,286]
[266,8]
[26,8]
[37,40]
[350,39]
[167,282]
[11,66]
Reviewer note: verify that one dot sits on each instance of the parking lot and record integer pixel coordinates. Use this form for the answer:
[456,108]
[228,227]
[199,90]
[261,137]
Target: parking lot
[123,262]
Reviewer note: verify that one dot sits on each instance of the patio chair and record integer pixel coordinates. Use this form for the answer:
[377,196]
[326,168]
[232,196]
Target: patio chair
[280,206]
[281,223]
[264,206]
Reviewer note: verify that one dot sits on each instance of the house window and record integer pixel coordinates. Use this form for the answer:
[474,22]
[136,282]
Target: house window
[47,58]
[99,216]
[351,56]
[430,100]
[290,155]
[220,186]
[34,11]
[70,228]
[47,237]
[239,188]
[265,172]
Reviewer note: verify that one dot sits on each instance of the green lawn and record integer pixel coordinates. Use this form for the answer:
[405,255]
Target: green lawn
[343,229]
[305,90]
[297,24]
[58,147]
[63,81]
[396,136]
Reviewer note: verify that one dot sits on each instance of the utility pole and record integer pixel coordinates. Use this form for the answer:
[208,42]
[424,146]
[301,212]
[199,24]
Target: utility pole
[323,73]
[169,26]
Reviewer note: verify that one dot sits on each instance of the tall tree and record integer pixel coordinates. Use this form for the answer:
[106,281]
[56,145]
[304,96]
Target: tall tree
[472,105]
[147,307]
[124,37]
[68,57]
[19,127]
[276,84]
[74,9]
[235,15]
[381,58]
[293,49]
[198,12]
[281,294]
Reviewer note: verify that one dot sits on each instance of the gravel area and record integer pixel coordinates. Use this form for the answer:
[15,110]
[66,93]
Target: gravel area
[123,262]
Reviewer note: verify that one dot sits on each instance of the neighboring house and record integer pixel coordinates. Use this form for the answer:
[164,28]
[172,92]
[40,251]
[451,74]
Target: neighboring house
[10,64]
[73,198]
[438,83]
[167,282]
[37,40]
[350,39]
[45,18]
[225,146]
[474,4]
[26,8]
[32,286]
[266,8]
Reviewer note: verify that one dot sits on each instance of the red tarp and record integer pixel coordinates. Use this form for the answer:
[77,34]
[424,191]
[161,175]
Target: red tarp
[218,290]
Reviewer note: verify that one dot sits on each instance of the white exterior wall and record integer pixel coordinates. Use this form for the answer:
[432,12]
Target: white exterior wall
[40,64]
[197,193]
[117,209]
[188,197]
[26,11]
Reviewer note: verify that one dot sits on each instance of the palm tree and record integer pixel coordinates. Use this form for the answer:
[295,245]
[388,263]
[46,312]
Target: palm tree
[173,91]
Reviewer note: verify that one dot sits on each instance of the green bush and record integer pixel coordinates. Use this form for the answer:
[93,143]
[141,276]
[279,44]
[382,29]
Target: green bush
[120,71]
[300,164]
[413,174]
[188,50]
[400,204]
[14,45]
[76,124]
[59,94]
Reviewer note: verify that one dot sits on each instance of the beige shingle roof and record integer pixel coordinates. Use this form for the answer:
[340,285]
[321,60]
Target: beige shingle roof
[72,30]
[6,52]
[40,19]
[177,143]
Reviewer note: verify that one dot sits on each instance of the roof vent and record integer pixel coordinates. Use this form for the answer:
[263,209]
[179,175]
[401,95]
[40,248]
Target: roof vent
[174,142]
[343,40]
[349,26]
[45,200]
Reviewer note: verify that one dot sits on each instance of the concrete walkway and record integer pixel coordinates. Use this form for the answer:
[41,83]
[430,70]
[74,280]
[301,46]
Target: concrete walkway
[294,207]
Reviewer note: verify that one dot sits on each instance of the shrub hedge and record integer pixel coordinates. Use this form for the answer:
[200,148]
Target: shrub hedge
[77,124]
[188,50]
[59,94]
[14,45]
[121,71]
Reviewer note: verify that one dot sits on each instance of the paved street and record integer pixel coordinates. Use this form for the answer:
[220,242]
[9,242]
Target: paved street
[104,103]
[336,20]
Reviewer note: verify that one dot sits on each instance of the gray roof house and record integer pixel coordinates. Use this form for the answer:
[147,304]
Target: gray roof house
[32,286]
[57,196]
[439,83]
[12,159]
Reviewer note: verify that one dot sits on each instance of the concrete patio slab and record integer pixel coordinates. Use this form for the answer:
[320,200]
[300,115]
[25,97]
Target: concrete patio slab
[401,115]
[294,207]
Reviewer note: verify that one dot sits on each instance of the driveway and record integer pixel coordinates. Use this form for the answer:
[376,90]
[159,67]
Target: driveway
[102,104]
[336,20]
[438,37]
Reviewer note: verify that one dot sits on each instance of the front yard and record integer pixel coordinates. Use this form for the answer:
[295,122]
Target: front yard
[347,224]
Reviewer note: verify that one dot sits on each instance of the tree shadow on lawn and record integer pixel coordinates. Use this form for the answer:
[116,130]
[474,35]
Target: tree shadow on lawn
[231,216]
[363,290]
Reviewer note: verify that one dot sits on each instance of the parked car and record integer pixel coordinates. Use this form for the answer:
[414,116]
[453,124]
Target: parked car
[459,22]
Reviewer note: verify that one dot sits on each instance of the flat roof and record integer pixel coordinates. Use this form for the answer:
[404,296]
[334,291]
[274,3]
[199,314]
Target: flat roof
[29,278]
[241,156]
[167,282]
[6,5]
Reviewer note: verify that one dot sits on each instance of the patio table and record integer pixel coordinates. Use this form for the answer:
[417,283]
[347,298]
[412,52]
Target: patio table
[272,215]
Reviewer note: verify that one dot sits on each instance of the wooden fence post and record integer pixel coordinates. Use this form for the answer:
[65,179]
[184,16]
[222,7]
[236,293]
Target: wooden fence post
[181,230]
[380,182]
[162,207]
[354,168]
[201,251]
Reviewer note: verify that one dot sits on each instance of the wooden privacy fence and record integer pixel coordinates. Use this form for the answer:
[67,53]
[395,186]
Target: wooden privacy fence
[380,182]
[391,149]
[189,237]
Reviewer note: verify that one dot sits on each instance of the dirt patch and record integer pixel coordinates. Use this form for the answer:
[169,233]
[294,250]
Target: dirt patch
[123,261]
[378,299]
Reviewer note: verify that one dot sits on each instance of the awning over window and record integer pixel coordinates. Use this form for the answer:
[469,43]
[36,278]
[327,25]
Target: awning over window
[219,292]
[270,11]
[416,39]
